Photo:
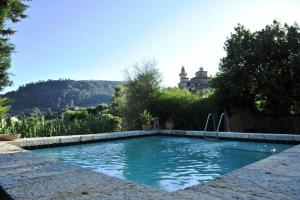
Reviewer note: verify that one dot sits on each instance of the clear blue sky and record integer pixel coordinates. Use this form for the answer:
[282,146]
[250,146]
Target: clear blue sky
[98,39]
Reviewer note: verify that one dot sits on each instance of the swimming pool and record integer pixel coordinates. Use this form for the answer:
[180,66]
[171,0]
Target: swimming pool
[168,163]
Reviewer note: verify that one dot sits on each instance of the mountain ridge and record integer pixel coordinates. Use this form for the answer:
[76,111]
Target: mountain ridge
[60,94]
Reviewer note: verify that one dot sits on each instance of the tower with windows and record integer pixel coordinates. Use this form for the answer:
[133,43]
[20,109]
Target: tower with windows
[199,82]
[184,80]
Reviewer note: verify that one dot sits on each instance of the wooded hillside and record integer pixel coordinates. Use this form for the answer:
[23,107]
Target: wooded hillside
[60,94]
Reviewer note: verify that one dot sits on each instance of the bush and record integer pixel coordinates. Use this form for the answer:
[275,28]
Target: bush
[188,110]
[98,109]
[111,123]
[73,123]
[145,117]
[71,115]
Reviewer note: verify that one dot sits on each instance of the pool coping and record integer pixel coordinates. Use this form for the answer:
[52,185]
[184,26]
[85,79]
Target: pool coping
[56,141]
[24,175]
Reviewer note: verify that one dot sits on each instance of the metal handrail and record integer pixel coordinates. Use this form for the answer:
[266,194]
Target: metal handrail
[219,124]
[206,124]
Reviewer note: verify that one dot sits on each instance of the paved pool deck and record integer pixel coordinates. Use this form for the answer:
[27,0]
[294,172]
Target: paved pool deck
[24,175]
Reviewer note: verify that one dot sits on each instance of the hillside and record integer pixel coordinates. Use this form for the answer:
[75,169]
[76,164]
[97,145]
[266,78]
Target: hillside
[60,94]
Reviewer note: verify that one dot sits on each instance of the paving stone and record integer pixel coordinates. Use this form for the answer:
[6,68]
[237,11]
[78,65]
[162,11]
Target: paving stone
[87,138]
[70,139]
[210,134]
[195,133]
[256,136]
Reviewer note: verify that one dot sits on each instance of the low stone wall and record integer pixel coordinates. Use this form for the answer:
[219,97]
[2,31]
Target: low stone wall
[30,143]
[242,121]
[255,137]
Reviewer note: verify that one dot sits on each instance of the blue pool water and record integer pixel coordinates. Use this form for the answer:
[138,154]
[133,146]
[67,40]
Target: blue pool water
[169,163]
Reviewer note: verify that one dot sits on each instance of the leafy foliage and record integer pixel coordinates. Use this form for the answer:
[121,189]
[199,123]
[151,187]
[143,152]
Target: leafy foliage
[11,11]
[60,94]
[133,97]
[119,100]
[145,117]
[260,72]
[4,107]
[186,109]
[72,122]
[72,115]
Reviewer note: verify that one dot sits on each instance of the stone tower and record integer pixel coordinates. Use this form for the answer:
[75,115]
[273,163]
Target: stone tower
[184,80]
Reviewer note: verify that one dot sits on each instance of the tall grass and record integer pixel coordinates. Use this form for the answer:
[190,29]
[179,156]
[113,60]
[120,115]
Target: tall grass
[39,127]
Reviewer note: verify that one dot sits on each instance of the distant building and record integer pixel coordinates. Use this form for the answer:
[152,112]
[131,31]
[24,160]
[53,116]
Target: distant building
[199,82]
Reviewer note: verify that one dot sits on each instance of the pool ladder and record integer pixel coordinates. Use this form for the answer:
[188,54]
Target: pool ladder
[222,116]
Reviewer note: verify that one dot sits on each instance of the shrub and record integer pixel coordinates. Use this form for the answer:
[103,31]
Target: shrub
[98,109]
[73,123]
[145,117]
[111,123]
[187,110]
[79,114]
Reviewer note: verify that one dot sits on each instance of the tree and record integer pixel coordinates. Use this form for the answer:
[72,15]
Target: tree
[118,102]
[134,96]
[11,11]
[60,94]
[259,72]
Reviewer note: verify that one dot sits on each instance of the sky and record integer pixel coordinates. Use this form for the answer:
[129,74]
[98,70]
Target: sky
[98,39]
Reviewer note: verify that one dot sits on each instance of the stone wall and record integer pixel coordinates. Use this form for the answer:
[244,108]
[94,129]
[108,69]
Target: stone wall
[242,121]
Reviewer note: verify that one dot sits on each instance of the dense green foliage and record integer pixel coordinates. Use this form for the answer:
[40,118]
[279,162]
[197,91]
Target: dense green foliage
[133,97]
[11,11]
[72,122]
[187,110]
[60,94]
[118,103]
[261,71]
[4,106]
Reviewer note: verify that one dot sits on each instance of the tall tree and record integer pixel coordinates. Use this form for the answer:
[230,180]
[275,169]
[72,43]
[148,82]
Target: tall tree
[133,97]
[259,72]
[11,11]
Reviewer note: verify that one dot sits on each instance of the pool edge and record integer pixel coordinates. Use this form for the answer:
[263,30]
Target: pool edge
[193,192]
[56,141]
